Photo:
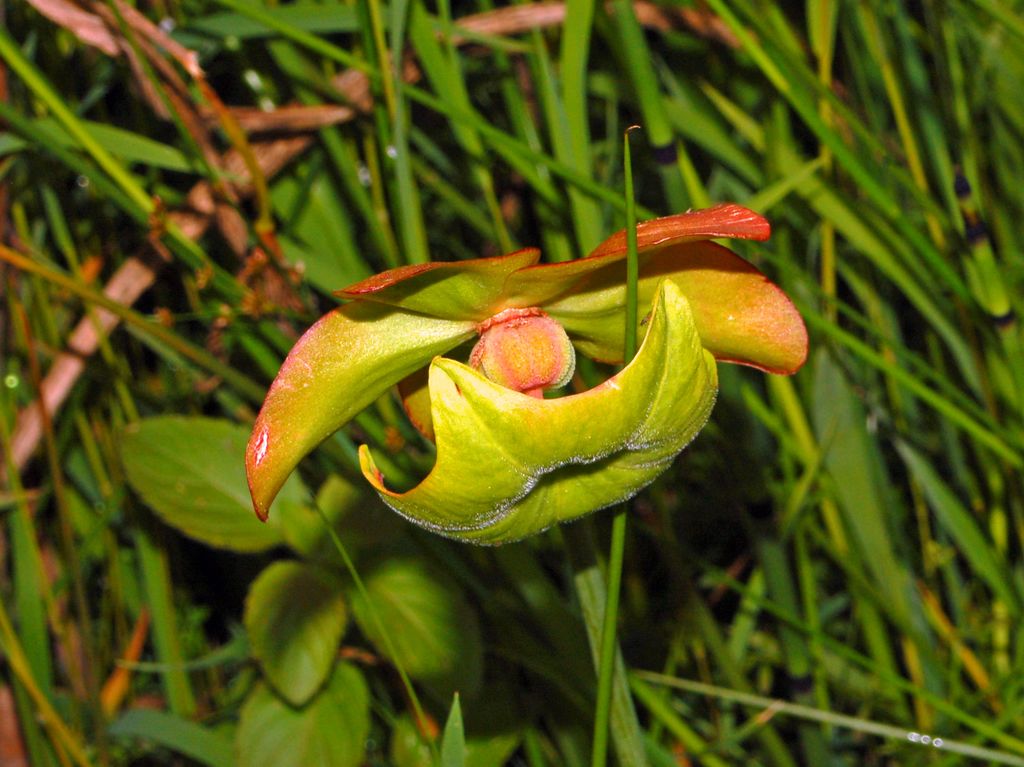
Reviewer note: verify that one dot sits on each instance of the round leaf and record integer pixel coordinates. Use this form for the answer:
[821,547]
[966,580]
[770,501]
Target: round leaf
[434,632]
[330,731]
[190,471]
[295,616]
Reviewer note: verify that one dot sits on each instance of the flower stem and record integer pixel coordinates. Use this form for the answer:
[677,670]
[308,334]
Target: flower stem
[591,592]
[609,645]
[632,256]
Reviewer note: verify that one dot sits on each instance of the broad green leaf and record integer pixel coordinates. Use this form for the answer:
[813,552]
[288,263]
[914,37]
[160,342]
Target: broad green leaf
[453,743]
[433,631]
[549,461]
[191,472]
[171,731]
[295,615]
[344,362]
[330,731]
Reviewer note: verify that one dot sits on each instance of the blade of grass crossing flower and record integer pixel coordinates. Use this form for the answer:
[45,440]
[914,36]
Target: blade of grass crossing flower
[632,256]
[589,585]
[609,645]
[453,744]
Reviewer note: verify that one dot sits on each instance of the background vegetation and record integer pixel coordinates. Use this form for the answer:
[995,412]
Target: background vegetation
[184,183]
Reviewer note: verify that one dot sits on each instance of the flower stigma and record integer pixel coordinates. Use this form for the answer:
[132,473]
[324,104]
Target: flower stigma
[525,350]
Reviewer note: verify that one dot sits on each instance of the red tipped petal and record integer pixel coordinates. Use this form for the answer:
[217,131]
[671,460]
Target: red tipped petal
[725,220]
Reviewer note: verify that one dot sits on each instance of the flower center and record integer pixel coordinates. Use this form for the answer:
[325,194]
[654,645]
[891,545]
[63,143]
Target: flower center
[525,350]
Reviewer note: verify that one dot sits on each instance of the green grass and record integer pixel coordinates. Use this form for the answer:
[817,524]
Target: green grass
[847,541]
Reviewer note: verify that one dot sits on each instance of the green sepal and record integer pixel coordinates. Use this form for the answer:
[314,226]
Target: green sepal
[455,290]
[295,616]
[341,364]
[550,461]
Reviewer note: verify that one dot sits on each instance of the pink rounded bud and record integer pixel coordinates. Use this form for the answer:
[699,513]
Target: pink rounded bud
[525,350]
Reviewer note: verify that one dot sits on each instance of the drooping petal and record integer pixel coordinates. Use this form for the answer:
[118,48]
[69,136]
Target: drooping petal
[454,290]
[540,284]
[741,315]
[339,366]
[509,465]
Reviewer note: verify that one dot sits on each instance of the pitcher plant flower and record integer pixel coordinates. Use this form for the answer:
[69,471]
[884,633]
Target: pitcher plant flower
[510,462]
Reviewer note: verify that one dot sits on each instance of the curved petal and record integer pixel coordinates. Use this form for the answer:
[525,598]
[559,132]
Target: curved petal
[454,290]
[509,465]
[741,315]
[725,220]
[543,283]
[339,366]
